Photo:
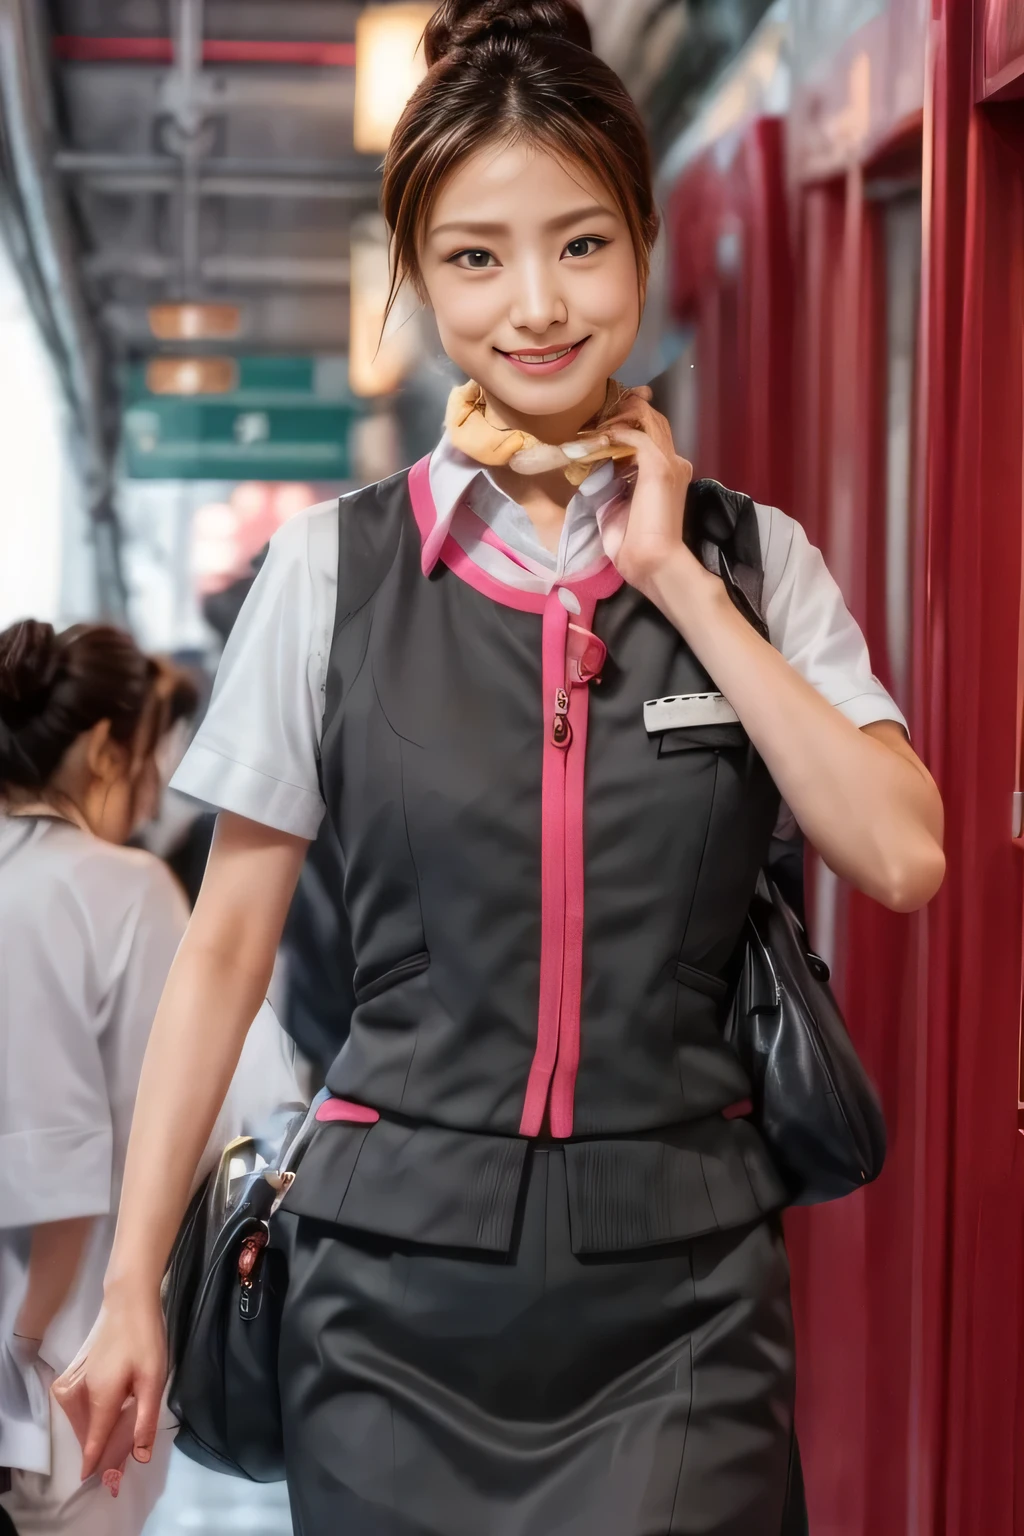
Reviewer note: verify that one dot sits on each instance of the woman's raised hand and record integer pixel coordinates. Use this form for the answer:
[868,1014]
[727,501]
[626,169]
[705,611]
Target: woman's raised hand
[649,530]
[112,1392]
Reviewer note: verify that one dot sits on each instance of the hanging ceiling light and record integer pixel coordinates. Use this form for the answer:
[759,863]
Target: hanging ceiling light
[379,356]
[389,66]
[194,322]
[191,375]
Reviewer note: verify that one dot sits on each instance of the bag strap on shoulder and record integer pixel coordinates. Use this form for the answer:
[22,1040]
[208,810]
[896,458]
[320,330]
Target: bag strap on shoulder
[720,526]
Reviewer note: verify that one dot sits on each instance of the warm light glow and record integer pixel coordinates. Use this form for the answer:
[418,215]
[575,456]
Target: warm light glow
[191,375]
[194,322]
[227,534]
[377,364]
[389,66]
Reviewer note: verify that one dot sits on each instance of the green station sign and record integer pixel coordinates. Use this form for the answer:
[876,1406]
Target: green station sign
[288,418]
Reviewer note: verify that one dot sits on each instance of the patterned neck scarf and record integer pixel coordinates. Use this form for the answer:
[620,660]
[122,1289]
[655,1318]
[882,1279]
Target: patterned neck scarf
[478,438]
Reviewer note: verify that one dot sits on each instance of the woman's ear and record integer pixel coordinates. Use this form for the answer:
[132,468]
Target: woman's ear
[105,758]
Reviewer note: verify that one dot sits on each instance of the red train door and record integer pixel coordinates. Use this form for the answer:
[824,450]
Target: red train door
[975,515]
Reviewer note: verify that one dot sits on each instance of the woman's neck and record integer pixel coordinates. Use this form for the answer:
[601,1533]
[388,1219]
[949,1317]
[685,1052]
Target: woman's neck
[557,428]
[25,802]
[545,497]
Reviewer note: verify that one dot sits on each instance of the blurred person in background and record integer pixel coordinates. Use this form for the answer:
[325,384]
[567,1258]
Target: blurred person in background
[88,930]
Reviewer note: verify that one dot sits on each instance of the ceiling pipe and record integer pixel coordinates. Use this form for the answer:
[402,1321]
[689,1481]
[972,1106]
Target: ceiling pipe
[147,183]
[160,50]
[30,135]
[85,162]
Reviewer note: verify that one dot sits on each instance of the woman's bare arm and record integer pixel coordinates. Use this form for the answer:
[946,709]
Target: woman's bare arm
[215,988]
[54,1259]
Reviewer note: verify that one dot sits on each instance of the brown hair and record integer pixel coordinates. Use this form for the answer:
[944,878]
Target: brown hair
[55,686]
[514,69]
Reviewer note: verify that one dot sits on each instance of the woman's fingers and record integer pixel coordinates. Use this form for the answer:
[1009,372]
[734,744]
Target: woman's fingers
[648,453]
[150,1391]
[104,1411]
[640,413]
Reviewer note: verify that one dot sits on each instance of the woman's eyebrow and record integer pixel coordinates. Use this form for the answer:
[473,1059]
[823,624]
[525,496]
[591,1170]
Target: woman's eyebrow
[561,221]
[469,227]
[578,215]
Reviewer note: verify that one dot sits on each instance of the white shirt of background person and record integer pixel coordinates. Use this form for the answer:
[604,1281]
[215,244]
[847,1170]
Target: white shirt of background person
[88,931]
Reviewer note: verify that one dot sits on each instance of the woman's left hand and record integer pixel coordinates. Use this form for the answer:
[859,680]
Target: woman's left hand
[648,530]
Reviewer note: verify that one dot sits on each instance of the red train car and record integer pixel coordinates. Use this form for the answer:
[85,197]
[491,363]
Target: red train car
[847,245]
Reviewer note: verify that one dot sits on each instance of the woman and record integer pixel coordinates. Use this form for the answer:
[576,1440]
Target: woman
[88,930]
[537,1276]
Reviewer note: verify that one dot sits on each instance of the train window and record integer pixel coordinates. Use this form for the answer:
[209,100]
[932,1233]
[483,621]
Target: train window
[902,235]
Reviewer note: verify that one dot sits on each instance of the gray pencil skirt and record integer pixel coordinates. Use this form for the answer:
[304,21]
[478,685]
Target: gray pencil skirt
[429,1392]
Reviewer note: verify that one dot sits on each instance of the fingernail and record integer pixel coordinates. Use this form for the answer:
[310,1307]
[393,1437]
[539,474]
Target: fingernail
[142,1453]
[581,450]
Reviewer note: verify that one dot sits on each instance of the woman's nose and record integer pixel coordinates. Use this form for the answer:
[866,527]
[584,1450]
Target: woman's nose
[539,303]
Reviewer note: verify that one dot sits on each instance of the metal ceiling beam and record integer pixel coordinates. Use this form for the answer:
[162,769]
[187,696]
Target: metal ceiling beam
[161,174]
[255,271]
[73,162]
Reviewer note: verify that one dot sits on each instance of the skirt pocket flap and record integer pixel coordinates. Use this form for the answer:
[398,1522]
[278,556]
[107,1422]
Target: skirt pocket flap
[420,1184]
[326,1168]
[668,1186]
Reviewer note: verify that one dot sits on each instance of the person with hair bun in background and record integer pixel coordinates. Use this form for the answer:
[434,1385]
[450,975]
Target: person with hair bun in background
[88,930]
[537,1279]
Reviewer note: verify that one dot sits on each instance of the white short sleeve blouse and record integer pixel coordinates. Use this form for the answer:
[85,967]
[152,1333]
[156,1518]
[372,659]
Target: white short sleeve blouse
[256,752]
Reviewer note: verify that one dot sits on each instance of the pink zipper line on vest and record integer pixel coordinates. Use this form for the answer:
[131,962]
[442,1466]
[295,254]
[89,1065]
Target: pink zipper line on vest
[571,657]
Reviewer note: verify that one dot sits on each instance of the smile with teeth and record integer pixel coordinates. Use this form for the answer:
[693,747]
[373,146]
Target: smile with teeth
[536,359]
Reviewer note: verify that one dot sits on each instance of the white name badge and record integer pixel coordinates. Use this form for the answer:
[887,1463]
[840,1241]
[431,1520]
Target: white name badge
[688,709]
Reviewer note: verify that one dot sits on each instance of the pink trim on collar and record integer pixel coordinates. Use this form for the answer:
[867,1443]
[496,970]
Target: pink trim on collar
[488,536]
[600,580]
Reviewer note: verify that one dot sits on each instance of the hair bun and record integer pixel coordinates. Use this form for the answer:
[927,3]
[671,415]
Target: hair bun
[462,24]
[29,656]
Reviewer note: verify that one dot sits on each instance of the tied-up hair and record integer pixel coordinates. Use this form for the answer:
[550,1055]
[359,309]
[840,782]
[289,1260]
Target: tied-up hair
[54,687]
[511,71]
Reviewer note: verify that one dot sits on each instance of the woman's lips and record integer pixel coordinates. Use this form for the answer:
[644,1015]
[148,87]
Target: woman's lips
[544,360]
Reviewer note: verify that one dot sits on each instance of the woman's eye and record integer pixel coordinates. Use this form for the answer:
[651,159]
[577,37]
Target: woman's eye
[586,245]
[475,261]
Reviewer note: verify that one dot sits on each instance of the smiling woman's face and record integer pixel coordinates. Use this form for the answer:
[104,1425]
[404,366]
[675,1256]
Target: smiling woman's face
[529,268]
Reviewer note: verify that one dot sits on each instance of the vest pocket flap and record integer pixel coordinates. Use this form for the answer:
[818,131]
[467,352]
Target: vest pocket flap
[668,1186]
[701,981]
[691,738]
[412,965]
[415,1183]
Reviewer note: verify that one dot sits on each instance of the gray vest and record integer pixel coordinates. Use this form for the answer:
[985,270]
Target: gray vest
[544,898]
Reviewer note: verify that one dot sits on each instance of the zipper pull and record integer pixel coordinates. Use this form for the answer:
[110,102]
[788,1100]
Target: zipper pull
[561,730]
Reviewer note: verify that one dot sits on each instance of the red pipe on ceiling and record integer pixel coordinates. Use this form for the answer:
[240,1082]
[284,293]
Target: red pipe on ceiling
[160,50]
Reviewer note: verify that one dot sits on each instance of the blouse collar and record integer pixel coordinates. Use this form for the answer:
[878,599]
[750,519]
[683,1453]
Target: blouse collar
[453,476]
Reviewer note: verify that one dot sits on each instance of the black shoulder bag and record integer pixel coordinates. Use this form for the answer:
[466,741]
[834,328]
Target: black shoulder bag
[223,1294]
[814,1104]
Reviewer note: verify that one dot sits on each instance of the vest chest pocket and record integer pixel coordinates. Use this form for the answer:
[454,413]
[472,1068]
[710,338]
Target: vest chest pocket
[693,738]
[691,722]
[701,981]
